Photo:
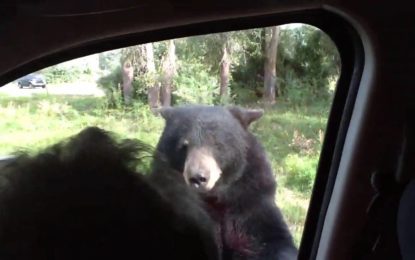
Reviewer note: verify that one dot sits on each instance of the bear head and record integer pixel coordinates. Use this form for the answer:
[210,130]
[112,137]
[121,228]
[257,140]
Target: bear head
[207,144]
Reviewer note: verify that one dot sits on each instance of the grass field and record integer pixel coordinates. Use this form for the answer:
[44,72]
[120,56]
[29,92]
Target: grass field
[291,135]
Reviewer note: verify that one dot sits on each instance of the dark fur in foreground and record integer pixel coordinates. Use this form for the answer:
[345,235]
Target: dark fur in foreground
[83,199]
[249,224]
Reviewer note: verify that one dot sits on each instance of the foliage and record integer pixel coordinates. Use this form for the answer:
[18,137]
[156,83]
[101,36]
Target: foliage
[141,84]
[111,84]
[307,62]
[205,49]
[300,171]
[56,74]
[307,65]
[144,77]
[109,60]
[194,85]
[247,73]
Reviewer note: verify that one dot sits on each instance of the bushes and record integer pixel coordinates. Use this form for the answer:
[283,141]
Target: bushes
[110,84]
[300,171]
[56,74]
[306,68]
[193,84]
[293,137]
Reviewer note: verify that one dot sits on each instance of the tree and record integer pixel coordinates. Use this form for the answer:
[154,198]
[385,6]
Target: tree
[307,65]
[168,71]
[127,80]
[150,67]
[203,68]
[270,77]
[224,66]
[109,60]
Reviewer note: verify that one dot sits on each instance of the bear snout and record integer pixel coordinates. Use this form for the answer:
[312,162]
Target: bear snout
[201,170]
[198,179]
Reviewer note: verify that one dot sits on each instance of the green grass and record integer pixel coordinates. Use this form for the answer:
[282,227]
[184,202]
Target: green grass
[292,137]
[34,123]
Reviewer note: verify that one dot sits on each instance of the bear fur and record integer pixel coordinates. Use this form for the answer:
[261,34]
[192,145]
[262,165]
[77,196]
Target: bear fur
[83,199]
[241,200]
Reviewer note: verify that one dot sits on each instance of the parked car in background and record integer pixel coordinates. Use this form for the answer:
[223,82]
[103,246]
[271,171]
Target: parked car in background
[32,80]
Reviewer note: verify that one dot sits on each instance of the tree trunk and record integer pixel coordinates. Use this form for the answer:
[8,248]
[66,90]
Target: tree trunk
[127,80]
[153,88]
[225,64]
[168,72]
[270,77]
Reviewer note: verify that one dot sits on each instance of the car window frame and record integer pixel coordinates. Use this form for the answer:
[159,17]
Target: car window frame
[349,45]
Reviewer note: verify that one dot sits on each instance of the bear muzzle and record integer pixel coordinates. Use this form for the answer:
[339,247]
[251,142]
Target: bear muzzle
[201,170]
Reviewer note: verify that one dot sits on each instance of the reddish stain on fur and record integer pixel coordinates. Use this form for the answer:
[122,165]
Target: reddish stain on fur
[229,233]
[238,240]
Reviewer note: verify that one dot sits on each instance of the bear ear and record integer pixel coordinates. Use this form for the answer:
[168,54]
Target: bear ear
[165,112]
[246,116]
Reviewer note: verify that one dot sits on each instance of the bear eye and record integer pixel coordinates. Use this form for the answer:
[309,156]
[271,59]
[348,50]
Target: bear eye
[183,145]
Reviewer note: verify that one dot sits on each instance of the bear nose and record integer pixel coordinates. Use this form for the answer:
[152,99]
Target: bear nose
[198,179]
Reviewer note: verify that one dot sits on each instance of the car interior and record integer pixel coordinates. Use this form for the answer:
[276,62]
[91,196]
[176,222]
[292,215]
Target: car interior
[362,202]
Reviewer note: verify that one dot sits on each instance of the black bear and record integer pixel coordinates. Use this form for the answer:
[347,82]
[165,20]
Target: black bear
[83,199]
[213,152]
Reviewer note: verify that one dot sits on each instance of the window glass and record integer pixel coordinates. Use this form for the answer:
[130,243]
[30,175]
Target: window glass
[290,71]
